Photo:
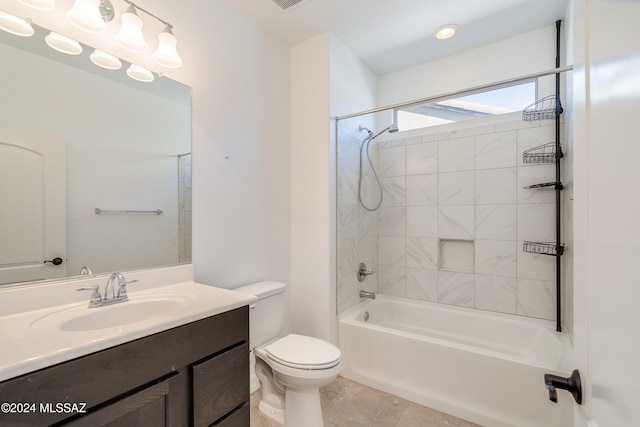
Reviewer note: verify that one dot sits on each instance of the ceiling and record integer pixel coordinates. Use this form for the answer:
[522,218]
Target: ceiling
[389,35]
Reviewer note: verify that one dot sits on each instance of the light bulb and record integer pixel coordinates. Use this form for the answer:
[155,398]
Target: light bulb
[446,31]
[39,4]
[104,60]
[139,73]
[85,14]
[130,35]
[14,25]
[167,54]
[63,44]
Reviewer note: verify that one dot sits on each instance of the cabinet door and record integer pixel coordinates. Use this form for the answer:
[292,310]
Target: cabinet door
[241,417]
[220,385]
[144,408]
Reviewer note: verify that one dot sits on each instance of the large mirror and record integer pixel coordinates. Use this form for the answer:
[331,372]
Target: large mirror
[95,168]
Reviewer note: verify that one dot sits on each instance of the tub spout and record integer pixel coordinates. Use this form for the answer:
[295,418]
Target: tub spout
[572,384]
[367,294]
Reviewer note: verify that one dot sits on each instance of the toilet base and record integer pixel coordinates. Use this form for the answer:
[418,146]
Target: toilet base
[275,415]
[302,408]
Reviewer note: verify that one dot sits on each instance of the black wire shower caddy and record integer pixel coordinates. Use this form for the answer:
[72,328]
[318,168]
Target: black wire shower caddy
[549,108]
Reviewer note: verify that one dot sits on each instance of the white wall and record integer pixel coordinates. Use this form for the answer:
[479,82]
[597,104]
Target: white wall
[327,80]
[514,57]
[241,151]
[311,214]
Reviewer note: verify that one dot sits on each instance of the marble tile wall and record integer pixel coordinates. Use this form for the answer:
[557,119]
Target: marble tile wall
[453,219]
[455,216]
[184,209]
[357,228]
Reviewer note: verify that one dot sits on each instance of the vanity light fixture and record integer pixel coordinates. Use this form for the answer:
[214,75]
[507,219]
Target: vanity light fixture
[63,44]
[104,60]
[139,73]
[85,14]
[446,31]
[14,25]
[92,16]
[130,35]
[166,54]
[39,4]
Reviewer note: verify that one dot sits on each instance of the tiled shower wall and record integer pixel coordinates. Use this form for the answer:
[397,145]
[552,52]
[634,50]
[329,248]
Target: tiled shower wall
[184,208]
[357,228]
[453,219]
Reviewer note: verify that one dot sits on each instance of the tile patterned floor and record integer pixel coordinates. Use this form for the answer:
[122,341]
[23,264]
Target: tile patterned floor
[348,404]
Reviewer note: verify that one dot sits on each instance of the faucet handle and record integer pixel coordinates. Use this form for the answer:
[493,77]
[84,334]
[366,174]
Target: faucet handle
[362,272]
[122,289]
[95,296]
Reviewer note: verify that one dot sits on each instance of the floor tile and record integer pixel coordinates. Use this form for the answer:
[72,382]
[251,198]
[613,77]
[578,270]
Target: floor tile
[420,416]
[346,403]
[257,420]
[360,406]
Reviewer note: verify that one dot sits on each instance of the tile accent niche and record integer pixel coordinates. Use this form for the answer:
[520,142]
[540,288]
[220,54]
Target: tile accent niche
[453,218]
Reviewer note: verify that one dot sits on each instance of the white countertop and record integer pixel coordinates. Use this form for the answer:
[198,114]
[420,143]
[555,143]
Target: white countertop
[32,339]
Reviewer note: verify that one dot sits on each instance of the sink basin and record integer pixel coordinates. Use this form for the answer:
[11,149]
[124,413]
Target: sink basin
[82,319]
[122,314]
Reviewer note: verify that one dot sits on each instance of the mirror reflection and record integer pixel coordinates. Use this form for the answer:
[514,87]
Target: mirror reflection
[75,138]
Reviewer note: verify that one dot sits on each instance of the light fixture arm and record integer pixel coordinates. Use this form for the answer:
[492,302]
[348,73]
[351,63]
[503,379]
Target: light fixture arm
[136,7]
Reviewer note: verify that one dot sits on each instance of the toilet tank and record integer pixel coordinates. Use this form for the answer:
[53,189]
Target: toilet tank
[266,317]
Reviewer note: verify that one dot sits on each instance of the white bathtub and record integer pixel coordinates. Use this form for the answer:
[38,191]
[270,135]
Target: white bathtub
[484,367]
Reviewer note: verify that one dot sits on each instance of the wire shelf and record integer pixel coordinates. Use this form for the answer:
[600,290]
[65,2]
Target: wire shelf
[547,108]
[543,248]
[555,185]
[545,153]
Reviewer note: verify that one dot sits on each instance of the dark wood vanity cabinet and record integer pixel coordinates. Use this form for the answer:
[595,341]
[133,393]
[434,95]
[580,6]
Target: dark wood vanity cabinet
[192,375]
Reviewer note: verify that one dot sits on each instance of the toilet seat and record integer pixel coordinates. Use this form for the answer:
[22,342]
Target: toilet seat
[302,352]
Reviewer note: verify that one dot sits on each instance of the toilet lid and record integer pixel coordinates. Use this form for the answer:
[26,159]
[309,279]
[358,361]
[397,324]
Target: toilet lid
[299,351]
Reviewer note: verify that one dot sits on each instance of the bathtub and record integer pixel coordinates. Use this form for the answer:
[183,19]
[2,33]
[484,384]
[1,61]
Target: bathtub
[480,366]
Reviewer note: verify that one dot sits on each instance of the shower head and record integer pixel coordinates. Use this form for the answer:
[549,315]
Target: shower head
[391,129]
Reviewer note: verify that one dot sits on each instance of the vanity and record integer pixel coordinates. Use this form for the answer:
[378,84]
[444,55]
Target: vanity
[184,361]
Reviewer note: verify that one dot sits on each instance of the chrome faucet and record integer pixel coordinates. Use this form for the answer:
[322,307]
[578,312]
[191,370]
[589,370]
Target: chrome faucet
[98,300]
[111,278]
[363,272]
[367,294]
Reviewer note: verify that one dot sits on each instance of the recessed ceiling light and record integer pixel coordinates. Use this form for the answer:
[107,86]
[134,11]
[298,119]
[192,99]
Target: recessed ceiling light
[446,31]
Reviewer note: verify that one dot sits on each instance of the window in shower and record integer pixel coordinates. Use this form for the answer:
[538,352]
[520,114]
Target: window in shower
[489,103]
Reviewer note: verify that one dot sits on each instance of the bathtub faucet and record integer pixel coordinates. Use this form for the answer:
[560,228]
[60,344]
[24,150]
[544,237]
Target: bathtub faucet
[363,272]
[367,294]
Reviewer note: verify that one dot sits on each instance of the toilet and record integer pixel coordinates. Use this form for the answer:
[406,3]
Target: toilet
[290,369]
